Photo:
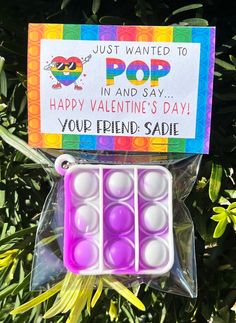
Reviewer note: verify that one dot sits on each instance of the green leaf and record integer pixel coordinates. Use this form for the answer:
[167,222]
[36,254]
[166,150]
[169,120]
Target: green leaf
[215,181]
[219,217]
[111,20]
[233,218]
[3,107]
[218,209]
[223,201]
[67,298]
[25,282]
[128,314]
[232,206]
[6,291]
[231,193]
[233,59]
[201,183]
[196,22]
[2,198]
[225,65]
[2,61]
[22,106]
[185,8]
[19,234]
[64,4]
[81,299]
[23,147]
[220,228]
[37,300]
[3,83]
[95,6]
[97,293]
[123,291]
[81,287]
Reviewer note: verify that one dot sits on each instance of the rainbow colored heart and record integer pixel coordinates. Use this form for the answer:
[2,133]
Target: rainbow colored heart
[66,71]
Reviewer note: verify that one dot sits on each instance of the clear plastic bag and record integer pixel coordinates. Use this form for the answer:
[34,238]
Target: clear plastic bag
[48,265]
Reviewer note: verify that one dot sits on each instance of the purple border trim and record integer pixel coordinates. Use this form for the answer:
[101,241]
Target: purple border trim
[210,91]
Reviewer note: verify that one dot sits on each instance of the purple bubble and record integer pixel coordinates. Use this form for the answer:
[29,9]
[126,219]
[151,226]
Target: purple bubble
[119,254]
[86,254]
[119,218]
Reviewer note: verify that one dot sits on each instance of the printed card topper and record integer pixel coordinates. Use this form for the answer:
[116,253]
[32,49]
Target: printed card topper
[134,88]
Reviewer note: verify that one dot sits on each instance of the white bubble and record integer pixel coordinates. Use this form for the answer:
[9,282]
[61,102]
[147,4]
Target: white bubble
[85,184]
[153,184]
[154,253]
[154,217]
[119,184]
[86,218]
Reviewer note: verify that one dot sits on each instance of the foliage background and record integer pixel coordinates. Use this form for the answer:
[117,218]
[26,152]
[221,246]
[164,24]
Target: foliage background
[24,185]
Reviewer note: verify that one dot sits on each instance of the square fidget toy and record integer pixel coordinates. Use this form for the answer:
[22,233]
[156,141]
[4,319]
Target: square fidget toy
[118,218]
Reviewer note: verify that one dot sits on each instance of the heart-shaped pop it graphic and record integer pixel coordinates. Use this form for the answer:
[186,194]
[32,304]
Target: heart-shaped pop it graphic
[66,71]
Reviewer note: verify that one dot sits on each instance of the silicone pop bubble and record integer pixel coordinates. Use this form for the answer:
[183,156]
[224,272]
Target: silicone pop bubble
[153,184]
[85,184]
[154,218]
[86,218]
[86,254]
[154,253]
[119,254]
[119,184]
[119,218]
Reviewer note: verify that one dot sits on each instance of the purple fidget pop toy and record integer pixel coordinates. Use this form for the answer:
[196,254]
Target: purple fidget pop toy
[118,218]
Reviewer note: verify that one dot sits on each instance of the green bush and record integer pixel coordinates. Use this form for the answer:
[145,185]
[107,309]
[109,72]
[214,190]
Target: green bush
[24,185]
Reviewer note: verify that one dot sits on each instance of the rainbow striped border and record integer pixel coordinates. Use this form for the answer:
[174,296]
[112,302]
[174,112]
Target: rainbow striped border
[203,35]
